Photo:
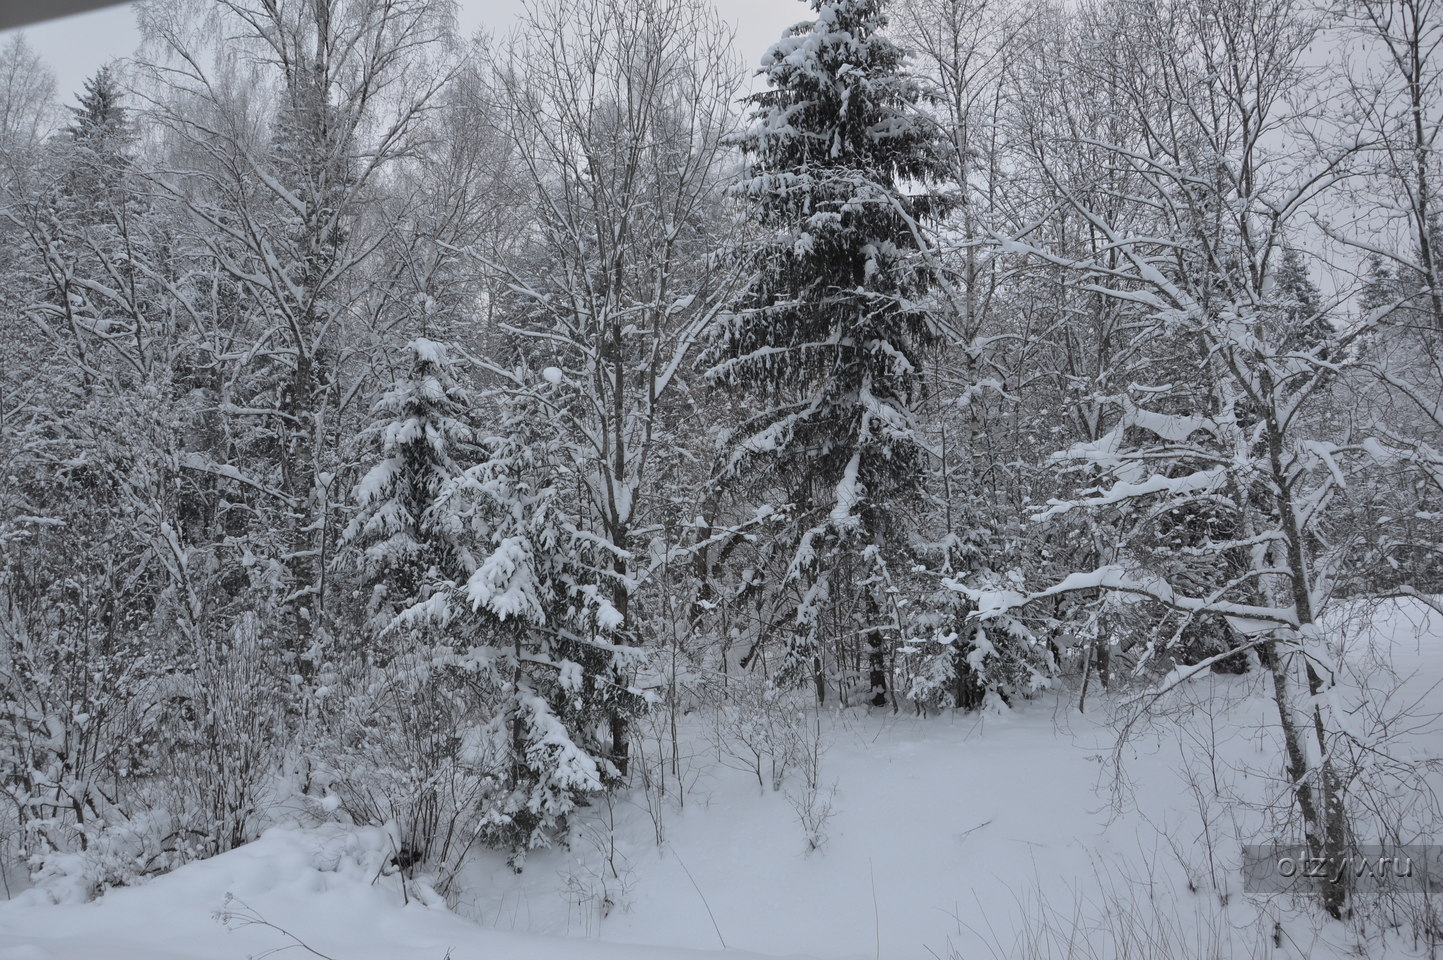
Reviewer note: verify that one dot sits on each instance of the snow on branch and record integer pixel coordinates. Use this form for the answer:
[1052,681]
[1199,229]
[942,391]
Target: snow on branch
[1246,618]
[1202,481]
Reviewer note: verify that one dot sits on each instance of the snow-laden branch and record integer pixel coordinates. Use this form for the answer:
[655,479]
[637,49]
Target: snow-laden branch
[1246,618]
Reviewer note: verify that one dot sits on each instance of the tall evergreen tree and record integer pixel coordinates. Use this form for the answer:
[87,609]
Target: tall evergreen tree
[99,113]
[829,339]
[101,135]
[540,596]
[410,541]
[1295,307]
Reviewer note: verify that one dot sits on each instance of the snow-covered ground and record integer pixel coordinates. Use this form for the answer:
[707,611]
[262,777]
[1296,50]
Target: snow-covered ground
[965,836]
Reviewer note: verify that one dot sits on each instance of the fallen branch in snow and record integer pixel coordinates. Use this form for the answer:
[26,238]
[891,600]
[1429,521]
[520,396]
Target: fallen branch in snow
[246,916]
[704,903]
[971,830]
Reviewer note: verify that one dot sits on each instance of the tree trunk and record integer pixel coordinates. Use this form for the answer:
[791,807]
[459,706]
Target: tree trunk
[620,747]
[876,655]
[970,691]
[298,473]
[1325,825]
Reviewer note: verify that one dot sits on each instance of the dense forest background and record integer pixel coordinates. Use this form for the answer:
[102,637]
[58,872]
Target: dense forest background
[422,425]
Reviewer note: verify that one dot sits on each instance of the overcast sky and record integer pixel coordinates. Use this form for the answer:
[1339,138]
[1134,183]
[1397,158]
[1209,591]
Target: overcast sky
[75,46]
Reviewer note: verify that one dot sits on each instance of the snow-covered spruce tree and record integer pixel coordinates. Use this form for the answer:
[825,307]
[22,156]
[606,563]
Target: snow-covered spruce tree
[550,643]
[828,340]
[409,541]
[950,659]
[394,753]
[100,136]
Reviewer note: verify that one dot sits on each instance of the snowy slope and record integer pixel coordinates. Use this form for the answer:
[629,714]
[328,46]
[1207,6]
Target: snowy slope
[952,837]
[315,884]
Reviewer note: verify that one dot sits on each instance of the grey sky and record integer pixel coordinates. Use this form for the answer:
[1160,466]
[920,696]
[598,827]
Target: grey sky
[75,47]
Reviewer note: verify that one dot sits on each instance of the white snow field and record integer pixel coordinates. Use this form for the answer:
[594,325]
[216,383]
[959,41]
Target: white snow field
[949,837]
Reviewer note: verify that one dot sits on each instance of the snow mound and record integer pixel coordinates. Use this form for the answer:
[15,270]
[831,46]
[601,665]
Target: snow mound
[324,887]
